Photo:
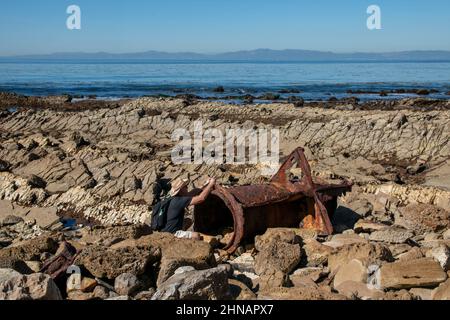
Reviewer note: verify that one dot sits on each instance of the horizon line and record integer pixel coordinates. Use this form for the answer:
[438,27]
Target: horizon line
[225,52]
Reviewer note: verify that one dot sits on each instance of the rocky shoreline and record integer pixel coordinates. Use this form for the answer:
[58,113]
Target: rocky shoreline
[83,174]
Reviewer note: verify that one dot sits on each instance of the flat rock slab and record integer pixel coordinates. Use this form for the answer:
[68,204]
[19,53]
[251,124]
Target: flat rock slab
[44,217]
[442,292]
[368,253]
[368,226]
[354,271]
[7,208]
[299,293]
[341,240]
[411,274]
[391,235]
[111,263]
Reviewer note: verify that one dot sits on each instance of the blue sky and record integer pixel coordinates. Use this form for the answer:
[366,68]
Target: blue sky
[30,26]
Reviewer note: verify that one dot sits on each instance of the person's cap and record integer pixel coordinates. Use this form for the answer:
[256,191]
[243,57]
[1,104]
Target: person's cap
[177,185]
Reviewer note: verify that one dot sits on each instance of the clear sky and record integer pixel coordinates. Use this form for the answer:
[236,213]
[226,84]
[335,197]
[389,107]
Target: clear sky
[39,26]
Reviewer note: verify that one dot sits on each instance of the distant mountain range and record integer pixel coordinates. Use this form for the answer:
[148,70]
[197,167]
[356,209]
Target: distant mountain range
[251,55]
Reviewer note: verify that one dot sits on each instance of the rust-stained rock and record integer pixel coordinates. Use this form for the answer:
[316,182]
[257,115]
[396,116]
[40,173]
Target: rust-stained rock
[423,218]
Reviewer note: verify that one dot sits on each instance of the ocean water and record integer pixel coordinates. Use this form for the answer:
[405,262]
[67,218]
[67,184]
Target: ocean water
[315,81]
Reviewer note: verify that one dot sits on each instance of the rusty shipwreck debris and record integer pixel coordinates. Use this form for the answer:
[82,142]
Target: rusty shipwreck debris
[63,259]
[282,202]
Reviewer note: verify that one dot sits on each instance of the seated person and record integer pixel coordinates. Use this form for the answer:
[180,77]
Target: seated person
[180,201]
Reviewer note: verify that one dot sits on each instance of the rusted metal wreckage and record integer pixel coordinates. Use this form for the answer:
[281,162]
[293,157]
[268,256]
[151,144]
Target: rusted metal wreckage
[283,202]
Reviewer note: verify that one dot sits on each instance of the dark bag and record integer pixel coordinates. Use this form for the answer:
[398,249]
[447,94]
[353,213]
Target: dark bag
[159,215]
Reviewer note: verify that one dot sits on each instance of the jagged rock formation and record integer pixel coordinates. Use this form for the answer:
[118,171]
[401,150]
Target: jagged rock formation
[105,163]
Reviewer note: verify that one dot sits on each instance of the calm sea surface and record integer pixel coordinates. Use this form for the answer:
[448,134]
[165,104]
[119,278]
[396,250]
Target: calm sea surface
[139,78]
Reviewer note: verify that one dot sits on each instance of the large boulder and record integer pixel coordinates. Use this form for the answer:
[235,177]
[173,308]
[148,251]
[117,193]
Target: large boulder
[423,218]
[37,286]
[271,235]
[239,291]
[197,254]
[367,253]
[315,253]
[442,255]
[411,274]
[278,256]
[355,271]
[442,292]
[422,293]
[111,262]
[127,284]
[272,280]
[210,284]
[30,250]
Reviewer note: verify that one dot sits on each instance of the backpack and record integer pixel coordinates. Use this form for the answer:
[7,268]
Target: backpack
[159,215]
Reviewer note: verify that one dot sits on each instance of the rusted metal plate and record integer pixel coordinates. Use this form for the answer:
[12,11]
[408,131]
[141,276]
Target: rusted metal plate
[57,265]
[258,195]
